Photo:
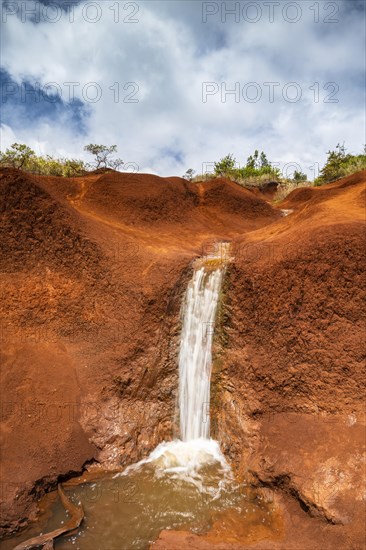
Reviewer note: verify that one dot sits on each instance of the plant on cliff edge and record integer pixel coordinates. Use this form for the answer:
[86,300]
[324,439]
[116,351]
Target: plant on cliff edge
[103,156]
[256,171]
[340,164]
[17,156]
[225,166]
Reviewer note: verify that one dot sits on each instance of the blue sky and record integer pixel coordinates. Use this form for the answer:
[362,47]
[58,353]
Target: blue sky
[27,102]
[154,77]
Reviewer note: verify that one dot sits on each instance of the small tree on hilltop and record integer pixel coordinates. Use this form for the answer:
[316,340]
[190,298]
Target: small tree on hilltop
[340,164]
[102,155]
[263,160]
[256,161]
[252,160]
[73,167]
[225,166]
[299,176]
[18,156]
[333,167]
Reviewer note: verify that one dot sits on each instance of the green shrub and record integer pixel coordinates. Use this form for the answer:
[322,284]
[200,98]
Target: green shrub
[18,156]
[257,170]
[225,166]
[339,164]
[24,158]
[299,176]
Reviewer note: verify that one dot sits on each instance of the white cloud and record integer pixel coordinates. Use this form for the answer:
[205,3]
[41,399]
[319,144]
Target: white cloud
[169,53]
[7,137]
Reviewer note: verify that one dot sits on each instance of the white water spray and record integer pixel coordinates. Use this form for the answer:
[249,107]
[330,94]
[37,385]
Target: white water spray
[195,355]
[184,458]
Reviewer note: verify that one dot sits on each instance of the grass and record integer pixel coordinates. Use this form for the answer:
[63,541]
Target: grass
[286,187]
[202,178]
[254,181]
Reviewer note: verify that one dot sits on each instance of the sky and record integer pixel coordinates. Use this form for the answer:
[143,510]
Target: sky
[180,84]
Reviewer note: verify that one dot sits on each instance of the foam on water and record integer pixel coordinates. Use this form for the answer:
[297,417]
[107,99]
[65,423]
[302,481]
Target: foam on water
[183,483]
[186,458]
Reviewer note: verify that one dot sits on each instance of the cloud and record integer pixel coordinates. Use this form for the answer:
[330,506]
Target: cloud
[139,84]
[28,103]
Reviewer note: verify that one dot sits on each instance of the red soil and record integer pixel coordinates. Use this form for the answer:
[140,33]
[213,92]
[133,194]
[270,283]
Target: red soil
[90,267]
[93,271]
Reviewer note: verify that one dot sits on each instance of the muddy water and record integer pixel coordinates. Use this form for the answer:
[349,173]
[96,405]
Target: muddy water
[129,512]
[166,491]
[182,484]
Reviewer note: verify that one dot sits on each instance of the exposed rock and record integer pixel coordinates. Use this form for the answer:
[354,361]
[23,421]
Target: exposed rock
[93,273]
[93,276]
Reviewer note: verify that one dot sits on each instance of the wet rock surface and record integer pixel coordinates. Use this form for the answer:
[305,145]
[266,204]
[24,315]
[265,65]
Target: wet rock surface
[94,270]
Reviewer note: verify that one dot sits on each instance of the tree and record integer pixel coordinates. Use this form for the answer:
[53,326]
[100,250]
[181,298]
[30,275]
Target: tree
[18,156]
[73,167]
[335,161]
[299,176]
[340,151]
[340,164]
[263,160]
[256,161]
[102,155]
[250,162]
[225,166]
[258,166]
[256,154]
[189,174]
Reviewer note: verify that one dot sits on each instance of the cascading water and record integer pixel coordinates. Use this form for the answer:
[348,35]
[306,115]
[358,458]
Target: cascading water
[182,484]
[186,457]
[195,355]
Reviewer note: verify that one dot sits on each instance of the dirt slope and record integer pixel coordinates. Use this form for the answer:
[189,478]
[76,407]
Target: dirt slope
[94,269]
[289,380]
[291,389]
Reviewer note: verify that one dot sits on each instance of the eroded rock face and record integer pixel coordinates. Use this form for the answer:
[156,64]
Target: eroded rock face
[93,279]
[318,460]
[93,274]
[41,433]
[290,381]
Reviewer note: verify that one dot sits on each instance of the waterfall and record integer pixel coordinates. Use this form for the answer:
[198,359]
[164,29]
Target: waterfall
[195,356]
[185,457]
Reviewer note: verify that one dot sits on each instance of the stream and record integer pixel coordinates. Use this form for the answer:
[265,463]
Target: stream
[183,484]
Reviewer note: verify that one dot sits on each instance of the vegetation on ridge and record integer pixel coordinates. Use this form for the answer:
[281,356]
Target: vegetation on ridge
[24,158]
[339,165]
[258,171]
